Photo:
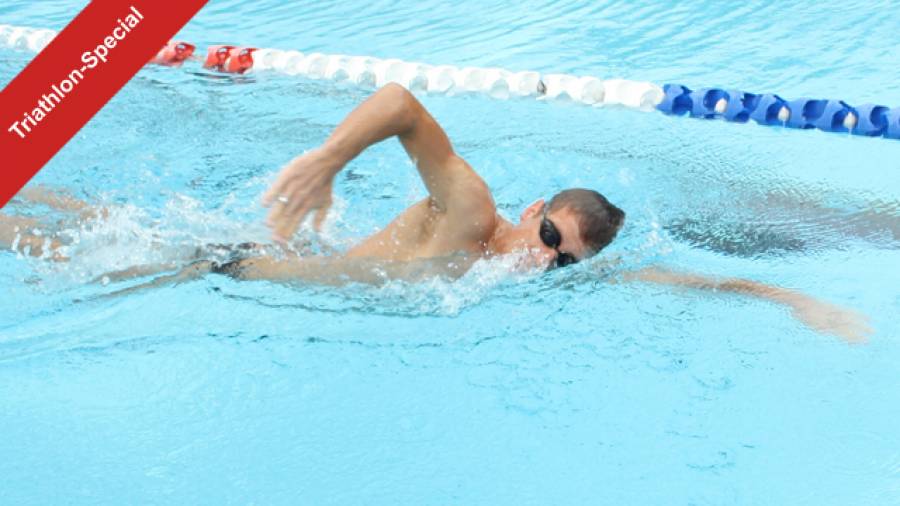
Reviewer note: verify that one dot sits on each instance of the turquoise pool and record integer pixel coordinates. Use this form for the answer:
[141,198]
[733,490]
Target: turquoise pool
[494,389]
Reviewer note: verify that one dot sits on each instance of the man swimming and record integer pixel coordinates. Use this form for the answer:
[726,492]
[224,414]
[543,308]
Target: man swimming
[441,235]
[457,219]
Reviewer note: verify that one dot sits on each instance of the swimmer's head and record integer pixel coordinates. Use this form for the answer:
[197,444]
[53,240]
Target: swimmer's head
[574,225]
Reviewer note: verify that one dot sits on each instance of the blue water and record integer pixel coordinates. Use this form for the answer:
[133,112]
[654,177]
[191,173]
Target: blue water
[494,389]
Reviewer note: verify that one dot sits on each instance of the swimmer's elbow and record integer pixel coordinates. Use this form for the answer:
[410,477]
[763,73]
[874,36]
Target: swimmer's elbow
[397,93]
[400,104]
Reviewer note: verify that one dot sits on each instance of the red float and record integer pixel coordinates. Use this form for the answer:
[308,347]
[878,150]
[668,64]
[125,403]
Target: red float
[231,59]
[173,53]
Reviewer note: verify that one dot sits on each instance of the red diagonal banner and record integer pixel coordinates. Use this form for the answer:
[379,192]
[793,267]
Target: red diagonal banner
[76,75]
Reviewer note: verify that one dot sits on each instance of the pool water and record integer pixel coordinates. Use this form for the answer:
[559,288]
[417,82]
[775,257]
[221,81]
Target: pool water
[494,389]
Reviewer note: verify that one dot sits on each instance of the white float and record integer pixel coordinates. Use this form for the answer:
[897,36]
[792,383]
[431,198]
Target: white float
[372,72]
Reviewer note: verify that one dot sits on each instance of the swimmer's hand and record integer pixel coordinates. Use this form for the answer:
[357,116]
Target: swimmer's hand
[304,185]
[826,318]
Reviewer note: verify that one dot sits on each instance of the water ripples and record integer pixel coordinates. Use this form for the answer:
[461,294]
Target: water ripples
[621,382]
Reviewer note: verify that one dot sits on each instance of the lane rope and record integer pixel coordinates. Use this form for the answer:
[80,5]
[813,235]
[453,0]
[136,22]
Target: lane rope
[870,120]
[375,72]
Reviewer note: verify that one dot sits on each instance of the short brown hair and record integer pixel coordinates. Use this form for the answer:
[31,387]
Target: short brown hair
[598,220]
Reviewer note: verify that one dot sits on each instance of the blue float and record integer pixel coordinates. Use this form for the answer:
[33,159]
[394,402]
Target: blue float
[804,112]
[834,116]
[676,100]
[893,124]
[872,120]
[740,105]
[769,109]
[826,115]
[703,102]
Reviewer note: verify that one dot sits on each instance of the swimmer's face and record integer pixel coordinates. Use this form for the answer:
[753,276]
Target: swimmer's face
[550,238]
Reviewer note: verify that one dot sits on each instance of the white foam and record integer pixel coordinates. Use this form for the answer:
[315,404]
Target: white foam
[25,38]
[448,297]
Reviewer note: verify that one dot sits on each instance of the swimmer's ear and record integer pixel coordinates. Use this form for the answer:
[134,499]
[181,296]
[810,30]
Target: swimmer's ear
[535,209]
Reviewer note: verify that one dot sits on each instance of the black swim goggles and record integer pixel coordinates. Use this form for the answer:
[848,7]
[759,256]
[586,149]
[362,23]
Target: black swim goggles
[550,237]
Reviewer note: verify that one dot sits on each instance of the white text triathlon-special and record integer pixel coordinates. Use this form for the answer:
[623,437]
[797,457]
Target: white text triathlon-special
[90,59]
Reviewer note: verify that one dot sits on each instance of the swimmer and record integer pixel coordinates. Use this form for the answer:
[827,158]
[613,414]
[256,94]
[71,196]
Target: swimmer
[444,233]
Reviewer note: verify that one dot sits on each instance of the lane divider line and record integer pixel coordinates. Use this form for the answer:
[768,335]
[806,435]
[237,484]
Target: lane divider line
[869,120]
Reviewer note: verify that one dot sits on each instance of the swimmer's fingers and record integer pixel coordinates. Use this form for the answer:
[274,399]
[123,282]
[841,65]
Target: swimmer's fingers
[314,169]
[287,216]
[321,214]
[275,213]
[286,207]
[303,185]
[323,207]
[288,224]
[308,194]
[278,198]
[276,188]
[285,219]
[827,318]
[282,224]
[287,195]
[288,173]
[302,197]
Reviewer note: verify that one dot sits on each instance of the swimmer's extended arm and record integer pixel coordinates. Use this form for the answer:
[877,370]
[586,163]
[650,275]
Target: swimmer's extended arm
[818,315]
[305,183]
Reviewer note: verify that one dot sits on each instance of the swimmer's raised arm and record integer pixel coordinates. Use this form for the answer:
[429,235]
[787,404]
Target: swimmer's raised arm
[818,315]
[305,183]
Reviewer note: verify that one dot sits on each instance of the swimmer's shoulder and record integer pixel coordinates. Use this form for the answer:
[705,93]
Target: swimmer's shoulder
[471,221]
